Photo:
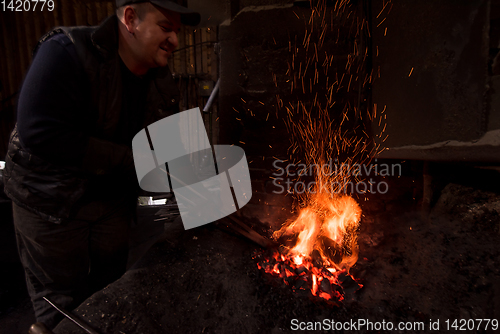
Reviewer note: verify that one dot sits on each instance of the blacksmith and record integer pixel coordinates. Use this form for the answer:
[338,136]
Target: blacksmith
[69,168]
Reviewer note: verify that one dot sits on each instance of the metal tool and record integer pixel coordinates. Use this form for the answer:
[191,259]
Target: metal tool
[248,232]
[78,322]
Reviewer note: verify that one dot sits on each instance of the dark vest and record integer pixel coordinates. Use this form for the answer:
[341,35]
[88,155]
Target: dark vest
[49,190]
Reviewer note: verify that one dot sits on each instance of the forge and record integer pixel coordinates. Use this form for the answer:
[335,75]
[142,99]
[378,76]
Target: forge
[412,270]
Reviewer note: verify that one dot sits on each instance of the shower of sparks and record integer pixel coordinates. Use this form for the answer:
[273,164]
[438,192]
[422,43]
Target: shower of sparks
[328,120]
[332,123]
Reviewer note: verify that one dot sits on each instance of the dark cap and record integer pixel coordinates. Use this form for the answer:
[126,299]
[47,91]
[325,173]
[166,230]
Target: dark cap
[188,17]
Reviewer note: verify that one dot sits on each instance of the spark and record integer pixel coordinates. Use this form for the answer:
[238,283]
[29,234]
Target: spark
[378,25]
[383,9]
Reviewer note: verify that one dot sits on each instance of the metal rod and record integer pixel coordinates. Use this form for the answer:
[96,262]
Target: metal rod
[78,322]
[212,97]
[206,110]
[251,234]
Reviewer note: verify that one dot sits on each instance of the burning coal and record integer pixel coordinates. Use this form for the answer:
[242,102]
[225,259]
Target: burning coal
[318,247]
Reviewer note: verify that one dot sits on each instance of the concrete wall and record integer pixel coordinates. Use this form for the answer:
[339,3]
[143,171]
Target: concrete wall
[445,46]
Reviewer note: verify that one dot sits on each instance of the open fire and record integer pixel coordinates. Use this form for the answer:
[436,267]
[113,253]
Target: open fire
[318,248]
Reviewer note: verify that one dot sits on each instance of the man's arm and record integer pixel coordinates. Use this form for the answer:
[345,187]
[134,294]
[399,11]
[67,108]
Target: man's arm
[53,120]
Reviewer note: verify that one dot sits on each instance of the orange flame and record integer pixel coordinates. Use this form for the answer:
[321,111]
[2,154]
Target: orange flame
[326,223]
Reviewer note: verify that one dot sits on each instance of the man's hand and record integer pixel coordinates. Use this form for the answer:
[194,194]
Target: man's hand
[103,157]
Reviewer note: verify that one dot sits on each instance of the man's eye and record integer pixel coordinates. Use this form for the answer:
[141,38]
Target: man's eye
[165,29]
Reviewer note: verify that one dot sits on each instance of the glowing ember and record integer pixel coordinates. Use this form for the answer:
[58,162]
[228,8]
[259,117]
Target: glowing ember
[323,283]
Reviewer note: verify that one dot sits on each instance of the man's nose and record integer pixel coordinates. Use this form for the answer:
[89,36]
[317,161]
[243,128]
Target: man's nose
[173,40]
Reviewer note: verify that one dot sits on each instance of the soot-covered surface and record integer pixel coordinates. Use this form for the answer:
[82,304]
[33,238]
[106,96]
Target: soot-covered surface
[413,270]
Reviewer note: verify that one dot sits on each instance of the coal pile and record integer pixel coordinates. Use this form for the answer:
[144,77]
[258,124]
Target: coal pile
[310,279]
[413,270]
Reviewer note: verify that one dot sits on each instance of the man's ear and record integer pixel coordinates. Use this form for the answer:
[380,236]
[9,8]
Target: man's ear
[130,19]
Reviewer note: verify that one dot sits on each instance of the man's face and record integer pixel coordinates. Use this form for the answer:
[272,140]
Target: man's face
[156,37]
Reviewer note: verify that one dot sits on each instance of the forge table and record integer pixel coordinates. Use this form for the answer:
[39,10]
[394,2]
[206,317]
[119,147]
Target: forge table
[205,280]
[200,281]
